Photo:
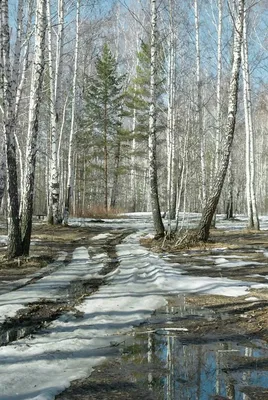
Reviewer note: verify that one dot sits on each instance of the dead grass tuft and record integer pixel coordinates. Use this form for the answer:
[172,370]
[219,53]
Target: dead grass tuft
[176,241]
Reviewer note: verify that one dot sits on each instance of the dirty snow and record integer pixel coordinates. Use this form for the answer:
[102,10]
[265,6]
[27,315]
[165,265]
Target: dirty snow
[39,367]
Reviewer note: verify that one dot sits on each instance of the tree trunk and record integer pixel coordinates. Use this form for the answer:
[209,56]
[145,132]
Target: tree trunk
[105,150]
[210,207]
[3,176]
[114,193]
[70,152]
[171,186]
[158,223]
[218,97]
[9,127]
[199,104]
[35,97]
[253,219]
[230,198]
[54,82]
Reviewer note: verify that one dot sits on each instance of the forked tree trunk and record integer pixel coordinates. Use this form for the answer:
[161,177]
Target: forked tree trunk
[158,223]
[212,202]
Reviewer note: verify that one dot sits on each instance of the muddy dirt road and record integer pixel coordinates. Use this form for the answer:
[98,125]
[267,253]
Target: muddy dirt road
[197,346]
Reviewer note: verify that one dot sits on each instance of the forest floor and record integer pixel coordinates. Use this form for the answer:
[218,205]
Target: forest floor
[196,319]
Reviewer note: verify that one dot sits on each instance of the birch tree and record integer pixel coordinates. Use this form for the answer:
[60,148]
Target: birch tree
[54,87]
[158,223]
[73,112]
[218,94]
[199,105]
[35,98]
[9,84]
[171,186]
[253,220]
[210,207]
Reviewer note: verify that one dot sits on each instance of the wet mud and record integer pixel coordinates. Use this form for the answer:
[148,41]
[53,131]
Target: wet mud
[175,356]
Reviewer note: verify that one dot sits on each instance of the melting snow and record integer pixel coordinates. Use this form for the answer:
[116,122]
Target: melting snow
[40,367]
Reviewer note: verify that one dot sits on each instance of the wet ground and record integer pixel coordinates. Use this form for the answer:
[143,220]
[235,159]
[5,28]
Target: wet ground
[174,356]
[196,347]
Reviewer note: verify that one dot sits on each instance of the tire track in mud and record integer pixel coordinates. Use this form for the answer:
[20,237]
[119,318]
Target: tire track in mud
[40,314]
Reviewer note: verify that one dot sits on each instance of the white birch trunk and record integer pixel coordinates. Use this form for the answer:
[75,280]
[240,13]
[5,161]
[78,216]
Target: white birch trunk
[210,207]
[71,137]
[54,84]
[219,79]
[15,75]
[59,53]
[35,97]
[253,220]
[218,98]
[54,182]
[3,176]
[9,82]
[199,105]
[182,184]
[158,223]
[170,136]
[21,74]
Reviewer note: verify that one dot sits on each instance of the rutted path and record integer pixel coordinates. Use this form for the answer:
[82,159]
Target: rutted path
[58,288]
[132,283]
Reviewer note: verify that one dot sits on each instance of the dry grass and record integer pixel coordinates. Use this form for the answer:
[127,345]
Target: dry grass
[184,240]
[188,239]
[100,212]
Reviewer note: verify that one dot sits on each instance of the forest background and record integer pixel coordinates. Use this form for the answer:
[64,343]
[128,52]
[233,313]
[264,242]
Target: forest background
[102,102]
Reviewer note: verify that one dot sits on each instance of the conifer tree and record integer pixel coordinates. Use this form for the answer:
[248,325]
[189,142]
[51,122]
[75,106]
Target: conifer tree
[137,105]
[103,110]
[138,93]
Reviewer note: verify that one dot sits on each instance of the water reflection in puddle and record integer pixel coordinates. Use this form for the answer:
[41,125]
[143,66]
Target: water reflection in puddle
[173,367]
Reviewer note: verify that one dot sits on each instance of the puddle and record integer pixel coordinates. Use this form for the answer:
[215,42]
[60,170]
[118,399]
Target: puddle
[175,365]
[195,371]
[29,320]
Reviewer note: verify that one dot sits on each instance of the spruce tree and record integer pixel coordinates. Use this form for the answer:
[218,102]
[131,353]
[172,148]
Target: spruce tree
[103,111]
[138,93]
